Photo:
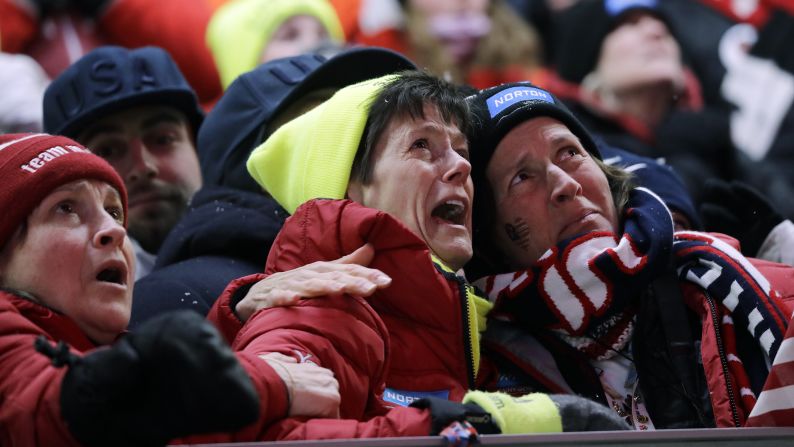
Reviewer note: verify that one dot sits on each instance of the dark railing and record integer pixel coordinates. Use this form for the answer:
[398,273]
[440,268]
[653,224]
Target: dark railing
[727,437]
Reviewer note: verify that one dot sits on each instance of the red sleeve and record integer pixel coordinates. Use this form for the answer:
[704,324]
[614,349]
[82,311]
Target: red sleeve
[222,314]
[18,27]
[399,421]
[30,387]
[179,26]
[781,278]
[345,335]
[340,333]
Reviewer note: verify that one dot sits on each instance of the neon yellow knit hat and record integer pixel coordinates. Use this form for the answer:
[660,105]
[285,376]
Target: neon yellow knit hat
[239,30]
[312,155]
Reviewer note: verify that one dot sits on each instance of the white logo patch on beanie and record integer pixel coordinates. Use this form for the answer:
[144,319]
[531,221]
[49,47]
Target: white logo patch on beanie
[47,155]
[509,96]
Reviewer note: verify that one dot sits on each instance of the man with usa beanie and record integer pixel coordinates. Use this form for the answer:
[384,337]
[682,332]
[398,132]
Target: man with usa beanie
[136,110]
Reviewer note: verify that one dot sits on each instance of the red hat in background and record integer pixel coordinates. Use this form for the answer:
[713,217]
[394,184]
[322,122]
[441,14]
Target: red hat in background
[32,165]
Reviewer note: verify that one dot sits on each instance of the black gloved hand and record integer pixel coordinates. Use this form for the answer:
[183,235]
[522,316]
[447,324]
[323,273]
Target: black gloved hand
[87,8]
[44,8]
[90,8]
[582,414]
[740,211]
[172,377]
[443,412]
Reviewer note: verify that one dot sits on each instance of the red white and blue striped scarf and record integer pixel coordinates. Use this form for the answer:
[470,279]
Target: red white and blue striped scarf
[585,288]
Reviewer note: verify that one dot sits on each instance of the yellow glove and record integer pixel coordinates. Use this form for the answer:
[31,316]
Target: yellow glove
[532,413]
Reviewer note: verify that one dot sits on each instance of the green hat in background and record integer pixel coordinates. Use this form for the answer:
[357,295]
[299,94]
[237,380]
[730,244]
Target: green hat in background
[239,30]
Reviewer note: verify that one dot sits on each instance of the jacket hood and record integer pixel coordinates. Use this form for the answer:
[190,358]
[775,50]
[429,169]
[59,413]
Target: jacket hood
[224,222]
[241,119]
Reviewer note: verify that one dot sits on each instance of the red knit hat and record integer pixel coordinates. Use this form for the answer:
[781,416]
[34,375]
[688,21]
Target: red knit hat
[32,165]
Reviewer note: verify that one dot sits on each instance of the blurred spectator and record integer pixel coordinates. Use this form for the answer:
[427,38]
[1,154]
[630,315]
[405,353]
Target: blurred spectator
[134,108]
[740,131]
[480,42]
[56,33]
[22,85]
[245,33]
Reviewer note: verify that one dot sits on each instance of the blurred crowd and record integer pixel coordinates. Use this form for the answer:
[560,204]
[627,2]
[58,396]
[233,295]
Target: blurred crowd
[289,185]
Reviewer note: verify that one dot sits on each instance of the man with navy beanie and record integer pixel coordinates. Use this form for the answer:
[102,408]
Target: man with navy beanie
[135,109]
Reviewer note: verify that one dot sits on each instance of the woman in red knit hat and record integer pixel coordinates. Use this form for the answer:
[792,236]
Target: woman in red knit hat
[66,279]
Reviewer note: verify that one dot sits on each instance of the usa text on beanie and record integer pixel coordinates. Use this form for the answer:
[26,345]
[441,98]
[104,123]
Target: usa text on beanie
[110,79]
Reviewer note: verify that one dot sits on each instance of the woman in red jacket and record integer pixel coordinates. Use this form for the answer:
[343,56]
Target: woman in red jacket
[66,277]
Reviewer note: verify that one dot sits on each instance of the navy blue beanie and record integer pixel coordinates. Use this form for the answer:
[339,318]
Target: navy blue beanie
[239,122]
[497,110]
[110,79]
[659,178]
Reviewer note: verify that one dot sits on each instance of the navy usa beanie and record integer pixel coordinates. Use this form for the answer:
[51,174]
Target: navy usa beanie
[110,79]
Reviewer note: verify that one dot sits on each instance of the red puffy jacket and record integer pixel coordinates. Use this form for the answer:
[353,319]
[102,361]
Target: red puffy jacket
[30,387]
[418,337]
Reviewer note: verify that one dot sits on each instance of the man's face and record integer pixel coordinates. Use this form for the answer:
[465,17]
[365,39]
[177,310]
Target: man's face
[546,188]
[74,256]
[422,177]
[152,148]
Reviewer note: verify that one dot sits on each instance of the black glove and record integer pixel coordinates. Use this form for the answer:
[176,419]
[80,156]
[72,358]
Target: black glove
[740,211]
[87,8]
[45,8]
[582,414]
[172,377]
[443,412]
[90,8]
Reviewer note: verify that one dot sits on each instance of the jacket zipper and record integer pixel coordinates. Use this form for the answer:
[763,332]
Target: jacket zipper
[723,360]
[465,312]
[464,296]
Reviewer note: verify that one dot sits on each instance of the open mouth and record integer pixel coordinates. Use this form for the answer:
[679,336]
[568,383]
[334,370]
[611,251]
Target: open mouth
[452,211]
[111,275]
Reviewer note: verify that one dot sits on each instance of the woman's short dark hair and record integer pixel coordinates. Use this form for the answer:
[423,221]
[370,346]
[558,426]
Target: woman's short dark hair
[407,95]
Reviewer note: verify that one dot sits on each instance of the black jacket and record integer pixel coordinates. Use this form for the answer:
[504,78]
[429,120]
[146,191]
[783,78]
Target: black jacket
[225,234]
